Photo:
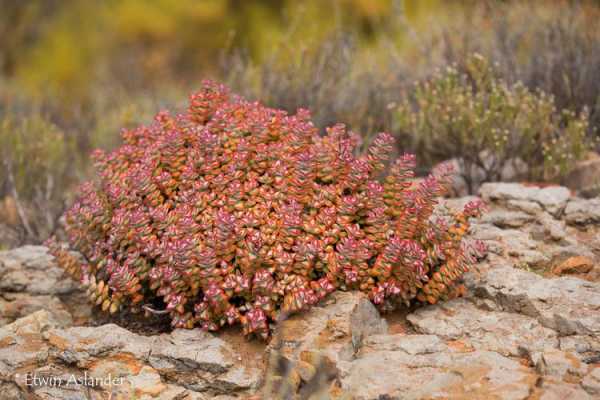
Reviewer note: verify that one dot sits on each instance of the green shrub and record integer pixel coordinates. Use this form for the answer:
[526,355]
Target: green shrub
[552,46]
[488,126]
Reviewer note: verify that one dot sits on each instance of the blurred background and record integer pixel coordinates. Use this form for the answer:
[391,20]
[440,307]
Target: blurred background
[507,90]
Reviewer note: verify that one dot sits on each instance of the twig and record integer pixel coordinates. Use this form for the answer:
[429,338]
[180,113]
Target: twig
[15,194]
[153,311]
[50,220]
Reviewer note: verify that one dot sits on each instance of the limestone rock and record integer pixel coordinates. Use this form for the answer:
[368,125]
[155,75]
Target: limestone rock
[530,207]
[507,333]
[16,305]
[581,211]
[552,228]
[337,327]
[567,305]
[560,364]
[31,269]
[557,390]
[585,348]
[507,219]
[501,241]
[501,191]
[309,346]
[591,382]
[143,367]
[31,281]
[410,344]
[511,243]
[553,198]
[384,369]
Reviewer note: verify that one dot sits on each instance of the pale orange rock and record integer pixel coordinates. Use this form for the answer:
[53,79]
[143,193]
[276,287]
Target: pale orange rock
[460,346]
[147,382]
[574,265]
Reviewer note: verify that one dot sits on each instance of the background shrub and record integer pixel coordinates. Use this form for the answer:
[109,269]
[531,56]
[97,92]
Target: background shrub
[554,47]
[44,153]
[323,77]
[489,125]
[38,161]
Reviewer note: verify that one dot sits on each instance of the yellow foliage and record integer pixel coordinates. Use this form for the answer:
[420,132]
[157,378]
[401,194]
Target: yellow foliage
[80,42]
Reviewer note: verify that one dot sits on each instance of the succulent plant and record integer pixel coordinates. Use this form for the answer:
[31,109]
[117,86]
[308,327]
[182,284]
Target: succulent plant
[233,212]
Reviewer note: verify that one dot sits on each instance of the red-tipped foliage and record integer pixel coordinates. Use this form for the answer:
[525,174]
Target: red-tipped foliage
[233,212]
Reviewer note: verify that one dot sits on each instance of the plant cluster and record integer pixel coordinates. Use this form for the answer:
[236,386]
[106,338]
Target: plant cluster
[489,125]
[233,212]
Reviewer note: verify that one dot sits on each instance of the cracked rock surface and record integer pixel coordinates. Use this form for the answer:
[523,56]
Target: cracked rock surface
[528,328]
[184,364]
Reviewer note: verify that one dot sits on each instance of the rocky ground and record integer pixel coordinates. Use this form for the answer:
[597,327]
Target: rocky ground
[529,328]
